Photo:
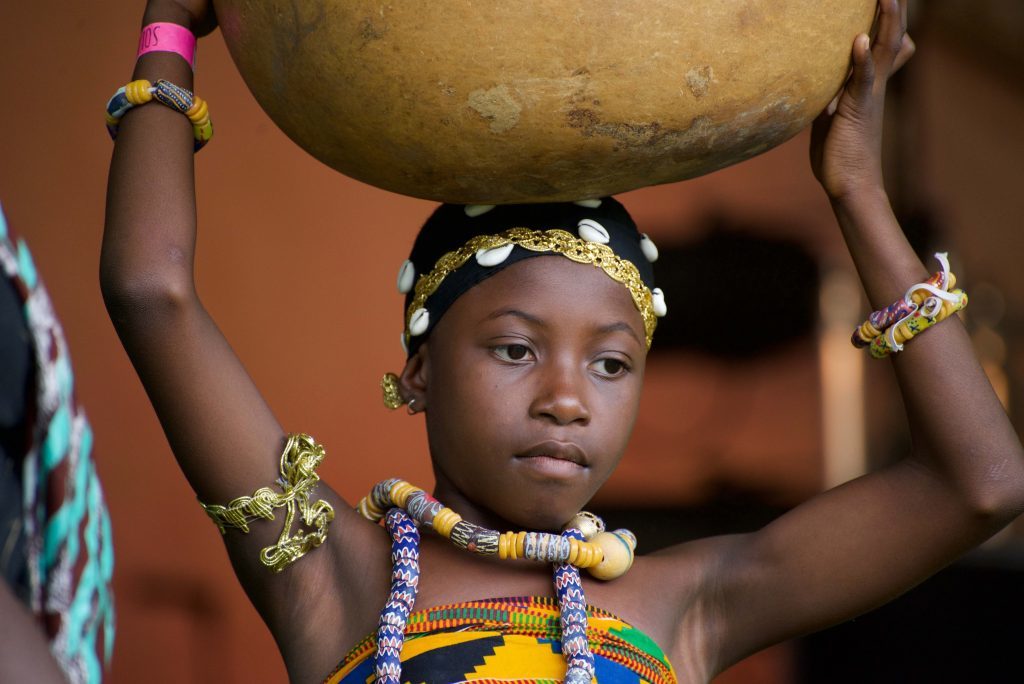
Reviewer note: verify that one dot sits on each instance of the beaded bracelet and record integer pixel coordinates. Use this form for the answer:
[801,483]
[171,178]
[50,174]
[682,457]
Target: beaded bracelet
[881,320]
[166,93]
[924,304]
[914,324]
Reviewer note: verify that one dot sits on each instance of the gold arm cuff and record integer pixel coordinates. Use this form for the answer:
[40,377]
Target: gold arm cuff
[299,461]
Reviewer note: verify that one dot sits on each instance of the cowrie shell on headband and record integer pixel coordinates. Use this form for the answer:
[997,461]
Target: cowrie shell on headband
[419,322]
[648,247]
[406,276]
[592,231]
[474,210]
[593,203]
[658,302]
[494,255]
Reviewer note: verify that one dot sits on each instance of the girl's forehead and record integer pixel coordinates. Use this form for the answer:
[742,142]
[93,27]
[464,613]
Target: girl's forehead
[556,279]
[549,291]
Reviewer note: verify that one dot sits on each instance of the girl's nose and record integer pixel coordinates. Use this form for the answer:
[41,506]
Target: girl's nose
[560,397]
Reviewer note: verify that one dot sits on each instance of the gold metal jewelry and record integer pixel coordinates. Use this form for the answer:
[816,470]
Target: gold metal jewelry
[392,394]
[299,460]
[556,241]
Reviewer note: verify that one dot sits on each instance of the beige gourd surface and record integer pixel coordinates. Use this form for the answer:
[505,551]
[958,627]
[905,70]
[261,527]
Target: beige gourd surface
[486,101]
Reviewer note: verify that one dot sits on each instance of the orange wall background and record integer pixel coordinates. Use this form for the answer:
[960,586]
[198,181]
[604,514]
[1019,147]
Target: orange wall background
[297,264]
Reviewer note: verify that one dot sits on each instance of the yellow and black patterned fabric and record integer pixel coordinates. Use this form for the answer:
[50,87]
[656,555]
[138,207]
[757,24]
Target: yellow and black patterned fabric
[512,641]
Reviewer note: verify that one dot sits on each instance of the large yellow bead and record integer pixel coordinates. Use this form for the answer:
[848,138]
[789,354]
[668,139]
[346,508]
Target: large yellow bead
[520,544]
[400,492]
[868,332]
[444,520]
[369,510]
[511,545]
[199,112]
[584,554]
[618,549]
[137,92]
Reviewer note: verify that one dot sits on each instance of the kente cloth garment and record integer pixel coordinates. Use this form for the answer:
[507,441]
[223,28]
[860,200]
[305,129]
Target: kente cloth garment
[65,565]
[509,640]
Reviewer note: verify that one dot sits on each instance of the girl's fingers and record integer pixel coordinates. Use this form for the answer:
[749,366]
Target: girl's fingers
[863,77]
[907,50]
[891,30]
[833,105]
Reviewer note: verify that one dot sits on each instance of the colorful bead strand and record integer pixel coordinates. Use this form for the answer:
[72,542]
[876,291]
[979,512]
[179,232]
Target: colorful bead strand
[405,578]
[544,547]
[606,555]
[572,605]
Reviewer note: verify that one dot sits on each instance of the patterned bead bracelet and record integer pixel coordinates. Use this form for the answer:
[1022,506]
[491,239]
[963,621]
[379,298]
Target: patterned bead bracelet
[886,331]
[141,92]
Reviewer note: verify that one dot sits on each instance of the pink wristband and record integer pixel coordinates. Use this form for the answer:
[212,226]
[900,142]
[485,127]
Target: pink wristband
[163,36]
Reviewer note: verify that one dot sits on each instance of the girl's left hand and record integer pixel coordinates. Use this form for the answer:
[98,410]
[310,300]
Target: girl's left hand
[195,15]
[846,139]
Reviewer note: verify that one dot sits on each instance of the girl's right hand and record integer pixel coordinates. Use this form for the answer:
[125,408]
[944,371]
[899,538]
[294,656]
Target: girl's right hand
[846,140]
[196,15]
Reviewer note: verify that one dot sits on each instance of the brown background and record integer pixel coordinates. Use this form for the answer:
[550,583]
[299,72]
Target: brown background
[297,264]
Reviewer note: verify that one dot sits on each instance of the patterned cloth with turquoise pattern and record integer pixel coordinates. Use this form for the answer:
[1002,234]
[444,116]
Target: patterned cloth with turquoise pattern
[512,641]
[66,558]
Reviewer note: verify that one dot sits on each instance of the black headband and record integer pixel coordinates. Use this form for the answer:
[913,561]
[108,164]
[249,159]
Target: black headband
[460,246]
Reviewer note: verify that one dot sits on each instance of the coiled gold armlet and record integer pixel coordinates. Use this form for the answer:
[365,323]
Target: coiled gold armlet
[298,478]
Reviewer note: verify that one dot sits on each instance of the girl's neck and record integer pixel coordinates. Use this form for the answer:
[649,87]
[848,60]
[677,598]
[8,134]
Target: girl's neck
[451,496]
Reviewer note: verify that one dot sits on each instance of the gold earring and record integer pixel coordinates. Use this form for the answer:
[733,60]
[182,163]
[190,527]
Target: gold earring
[392,395]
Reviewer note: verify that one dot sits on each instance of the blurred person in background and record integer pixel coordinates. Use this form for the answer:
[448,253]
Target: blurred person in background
[56,557]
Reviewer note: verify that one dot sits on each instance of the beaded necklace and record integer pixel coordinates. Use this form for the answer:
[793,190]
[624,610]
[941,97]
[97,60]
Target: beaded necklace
[584,543]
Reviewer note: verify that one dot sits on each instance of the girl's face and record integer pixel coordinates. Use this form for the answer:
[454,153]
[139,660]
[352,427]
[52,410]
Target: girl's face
[531,383]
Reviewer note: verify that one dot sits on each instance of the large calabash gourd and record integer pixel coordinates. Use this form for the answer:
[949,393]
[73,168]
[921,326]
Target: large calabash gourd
[489,101]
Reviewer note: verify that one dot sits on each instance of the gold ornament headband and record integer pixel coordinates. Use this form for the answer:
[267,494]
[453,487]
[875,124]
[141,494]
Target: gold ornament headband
[491,250]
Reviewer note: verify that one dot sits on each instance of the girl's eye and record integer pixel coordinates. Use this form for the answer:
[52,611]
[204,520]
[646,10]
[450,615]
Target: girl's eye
[611,367]
[512,352]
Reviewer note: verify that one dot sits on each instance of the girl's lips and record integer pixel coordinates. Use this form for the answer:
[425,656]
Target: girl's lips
[562,455]
[549,468]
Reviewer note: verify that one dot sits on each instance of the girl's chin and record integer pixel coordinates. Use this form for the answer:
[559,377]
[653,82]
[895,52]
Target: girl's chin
[543,504]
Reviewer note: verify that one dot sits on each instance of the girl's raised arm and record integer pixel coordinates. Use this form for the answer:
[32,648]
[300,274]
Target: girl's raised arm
[861,544]
[221,430]
[225,437]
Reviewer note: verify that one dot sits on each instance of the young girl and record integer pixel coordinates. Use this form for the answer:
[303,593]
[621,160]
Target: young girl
[528,371]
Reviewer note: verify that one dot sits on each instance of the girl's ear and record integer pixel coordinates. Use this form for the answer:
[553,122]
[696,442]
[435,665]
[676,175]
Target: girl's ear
[414,380]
